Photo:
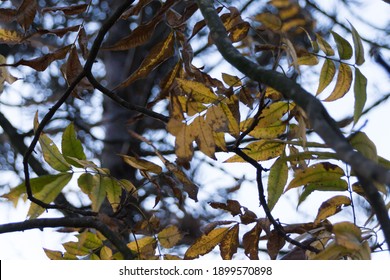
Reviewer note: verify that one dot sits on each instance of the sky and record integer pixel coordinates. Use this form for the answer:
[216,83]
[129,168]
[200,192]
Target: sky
[29,244]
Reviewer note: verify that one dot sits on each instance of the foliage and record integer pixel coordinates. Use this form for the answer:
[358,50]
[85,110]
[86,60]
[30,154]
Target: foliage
[254,122]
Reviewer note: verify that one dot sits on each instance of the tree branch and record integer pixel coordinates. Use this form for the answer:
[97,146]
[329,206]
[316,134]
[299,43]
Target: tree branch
[83,222]
[320,120]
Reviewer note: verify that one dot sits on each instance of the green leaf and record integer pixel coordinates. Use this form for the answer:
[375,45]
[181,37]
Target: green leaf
[113,190]
[344,48]
[324,45]
[364,145]
[277,181]
[358,46]
[343,83]
[318,174]
[95,186]
[48,193]
[328,71]
[360,90]
[336,185]
[51,153]
[71,146]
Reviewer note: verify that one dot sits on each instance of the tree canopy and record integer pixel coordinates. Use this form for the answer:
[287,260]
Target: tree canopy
[147,125]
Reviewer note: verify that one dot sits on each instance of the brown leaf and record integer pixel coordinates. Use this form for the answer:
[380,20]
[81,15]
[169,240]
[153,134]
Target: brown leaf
[26,13]
[157,55]
[229,243]
[274,244]
[232,206]
[136,9]
[7,15]
[41,63]
[83,42]
[59,32]
[67,10]
[250,242]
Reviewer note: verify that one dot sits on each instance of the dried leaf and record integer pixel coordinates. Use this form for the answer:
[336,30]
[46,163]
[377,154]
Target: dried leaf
[270,21]
[142,164]
[250,242]
[204,136]
[331,207]
[308,59]
[26,13]
[59,32]
[197,91]
[232,81]
[10,37]
[274,244]
[169,236]
[343,83]
[232,206]
[229,243]
[157,55]
[67,10]
[206,243]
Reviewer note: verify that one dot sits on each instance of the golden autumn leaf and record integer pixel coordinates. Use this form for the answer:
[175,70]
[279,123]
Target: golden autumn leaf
[10,37]
[231,81]
[206,243]
[239,31]
[330,207]
[197,91]
[270,21]
[216,119]
[204,136]
[169,236]
[343,83]
[260,150]
[362,143]
[157,55]
[145,247]
[142,164]
[307,59]
[324,45]
[229,243]
[328,71]
[232,115]
[294,23]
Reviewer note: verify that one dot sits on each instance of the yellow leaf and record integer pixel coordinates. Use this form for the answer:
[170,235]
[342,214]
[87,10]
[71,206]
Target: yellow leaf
[331,207]
[328,71]
[10,37]
[216,118]
[219,138]
[204,136]
[157,55]
[232,81]
[206,243]
[260,150]
[269,132]
[324,45]
[274,112]
[232,115]
[318,174]
[145,247]
[276,181]
[106,253]
[229,243]
[197,91]
[113,190]
[142,164]
[239,31]
[75,248]
[294,23]
[343,83]
[308,59]
[270,21]
[169,236]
